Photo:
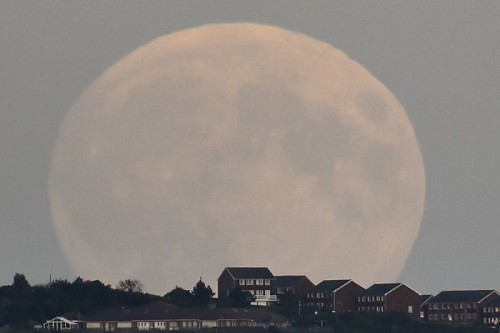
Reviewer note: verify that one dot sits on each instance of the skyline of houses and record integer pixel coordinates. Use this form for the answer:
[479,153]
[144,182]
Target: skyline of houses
[453,307]
[340,296]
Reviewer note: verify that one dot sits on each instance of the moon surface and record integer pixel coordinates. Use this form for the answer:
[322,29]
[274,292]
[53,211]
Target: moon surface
[236,145]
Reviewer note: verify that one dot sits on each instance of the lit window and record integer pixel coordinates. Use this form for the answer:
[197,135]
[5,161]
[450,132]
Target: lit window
[249,282]
[410,309]
[242,282]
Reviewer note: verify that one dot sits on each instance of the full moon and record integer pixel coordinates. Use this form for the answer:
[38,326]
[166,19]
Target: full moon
[236,145]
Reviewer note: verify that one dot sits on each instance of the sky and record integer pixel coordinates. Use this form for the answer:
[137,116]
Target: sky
[439,58]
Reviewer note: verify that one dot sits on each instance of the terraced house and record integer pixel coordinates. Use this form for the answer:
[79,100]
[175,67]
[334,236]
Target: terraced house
[296,285]
[460,307]
[258,281]
[491,313]
[390,297]
[339,296]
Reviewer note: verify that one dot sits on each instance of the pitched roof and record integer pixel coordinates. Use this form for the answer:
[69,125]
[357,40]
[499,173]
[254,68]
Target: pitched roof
[380,289]
[455,296]
[289,280]
[330,285]
[495,302]
[115,314]
[425,298]
[153,310]
[166,311]
[250,272]
[63,319]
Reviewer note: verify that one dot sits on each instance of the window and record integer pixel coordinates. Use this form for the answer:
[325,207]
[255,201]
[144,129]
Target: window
[242,282]
[259,282]
[410,309]
[364,298]
[249,282]
[267,282]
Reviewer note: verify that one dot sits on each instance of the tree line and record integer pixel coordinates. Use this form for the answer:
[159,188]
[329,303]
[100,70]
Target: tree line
[21,303]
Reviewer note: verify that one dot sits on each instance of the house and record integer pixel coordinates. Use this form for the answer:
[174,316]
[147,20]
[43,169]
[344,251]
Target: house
[61,324]
[296,285]
[491,313]
[424,307]
[258,281]
[161,316]
[339,296]
[390,297]
[110,320]
[460,307]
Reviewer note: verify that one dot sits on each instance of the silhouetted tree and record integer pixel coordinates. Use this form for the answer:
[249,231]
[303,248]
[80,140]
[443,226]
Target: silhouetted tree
[20,283]
[203,295]
[239,298]
[130,285]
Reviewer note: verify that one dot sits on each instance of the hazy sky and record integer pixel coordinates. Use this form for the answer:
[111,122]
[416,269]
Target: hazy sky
[439,58]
